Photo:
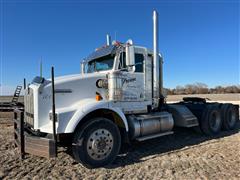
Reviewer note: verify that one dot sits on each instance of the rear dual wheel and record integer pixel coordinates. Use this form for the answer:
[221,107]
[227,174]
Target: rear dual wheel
[211,121]
[216,117]
[230,116]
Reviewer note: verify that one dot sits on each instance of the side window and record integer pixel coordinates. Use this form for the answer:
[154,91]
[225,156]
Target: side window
[139,58]
[90,67]
[122,62]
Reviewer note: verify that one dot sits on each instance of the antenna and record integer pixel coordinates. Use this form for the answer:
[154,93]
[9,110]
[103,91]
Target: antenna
[24,83]
[41,67]
[115,35]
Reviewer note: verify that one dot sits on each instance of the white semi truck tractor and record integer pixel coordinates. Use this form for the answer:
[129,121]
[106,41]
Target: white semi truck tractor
[117,98]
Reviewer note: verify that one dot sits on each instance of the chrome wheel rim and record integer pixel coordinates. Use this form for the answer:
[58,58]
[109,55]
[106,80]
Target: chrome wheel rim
[99,144]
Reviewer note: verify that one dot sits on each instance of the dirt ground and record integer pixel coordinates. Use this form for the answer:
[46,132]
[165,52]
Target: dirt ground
[212,97]
[184,155]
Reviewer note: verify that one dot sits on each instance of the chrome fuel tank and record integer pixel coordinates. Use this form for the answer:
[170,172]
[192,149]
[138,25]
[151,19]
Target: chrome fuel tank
[147,124]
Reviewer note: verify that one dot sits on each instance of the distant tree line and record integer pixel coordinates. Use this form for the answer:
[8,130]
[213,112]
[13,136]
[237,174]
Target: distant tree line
[201,88]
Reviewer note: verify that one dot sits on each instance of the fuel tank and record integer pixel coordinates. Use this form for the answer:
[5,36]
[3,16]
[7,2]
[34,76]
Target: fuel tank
[148,124]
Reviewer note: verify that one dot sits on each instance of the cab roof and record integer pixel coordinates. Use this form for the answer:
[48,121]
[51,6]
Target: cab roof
[101,52]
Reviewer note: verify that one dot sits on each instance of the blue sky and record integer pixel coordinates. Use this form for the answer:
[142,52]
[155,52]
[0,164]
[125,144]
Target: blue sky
[198,39]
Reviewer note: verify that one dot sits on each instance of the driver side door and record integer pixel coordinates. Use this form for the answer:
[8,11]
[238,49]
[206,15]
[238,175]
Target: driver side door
[133,78]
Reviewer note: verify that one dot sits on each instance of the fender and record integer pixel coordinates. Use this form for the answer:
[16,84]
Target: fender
[86,107]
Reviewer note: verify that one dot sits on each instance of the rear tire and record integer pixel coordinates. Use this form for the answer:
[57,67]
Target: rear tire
[96,143]
[211,121]
[229,115]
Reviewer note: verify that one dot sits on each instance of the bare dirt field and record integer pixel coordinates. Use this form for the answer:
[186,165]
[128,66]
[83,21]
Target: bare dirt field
[184,155]
[231,98]
[9,99]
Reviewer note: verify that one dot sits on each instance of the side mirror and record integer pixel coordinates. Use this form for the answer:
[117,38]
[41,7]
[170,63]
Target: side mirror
[130,60]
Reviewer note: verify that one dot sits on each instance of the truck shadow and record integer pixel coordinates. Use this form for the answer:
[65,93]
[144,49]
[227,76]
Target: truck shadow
[183,138]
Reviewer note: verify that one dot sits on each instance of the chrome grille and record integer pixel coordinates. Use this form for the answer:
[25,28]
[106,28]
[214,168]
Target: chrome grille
[29,107]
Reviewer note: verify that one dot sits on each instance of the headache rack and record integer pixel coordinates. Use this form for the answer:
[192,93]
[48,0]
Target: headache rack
[29,143]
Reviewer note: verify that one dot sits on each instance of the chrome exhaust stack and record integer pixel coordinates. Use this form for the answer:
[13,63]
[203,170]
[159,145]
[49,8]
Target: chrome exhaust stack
[157,65]
[156,73]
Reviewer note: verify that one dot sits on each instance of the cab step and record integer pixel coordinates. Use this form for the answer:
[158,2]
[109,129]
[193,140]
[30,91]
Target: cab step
[143,138]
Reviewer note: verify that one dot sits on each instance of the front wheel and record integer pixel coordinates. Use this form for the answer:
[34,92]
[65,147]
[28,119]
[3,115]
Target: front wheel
[96,143]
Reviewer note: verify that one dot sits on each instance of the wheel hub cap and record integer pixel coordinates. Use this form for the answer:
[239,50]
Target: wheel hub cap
[100,144]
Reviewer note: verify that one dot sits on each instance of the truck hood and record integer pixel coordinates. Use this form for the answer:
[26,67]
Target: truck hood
[69,91]
[72,88]
[74,77]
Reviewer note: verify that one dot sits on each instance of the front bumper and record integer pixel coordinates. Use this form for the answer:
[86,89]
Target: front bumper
[29,143]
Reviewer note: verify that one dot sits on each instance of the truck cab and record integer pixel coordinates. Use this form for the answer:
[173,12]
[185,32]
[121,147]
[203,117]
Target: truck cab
[123,86]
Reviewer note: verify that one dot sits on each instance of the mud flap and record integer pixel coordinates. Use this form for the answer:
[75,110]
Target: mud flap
[182,116]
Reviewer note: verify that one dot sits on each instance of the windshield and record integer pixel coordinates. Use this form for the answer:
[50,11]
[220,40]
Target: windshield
[101,64]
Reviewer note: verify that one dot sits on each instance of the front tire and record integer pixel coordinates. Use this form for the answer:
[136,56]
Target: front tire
[96,143]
